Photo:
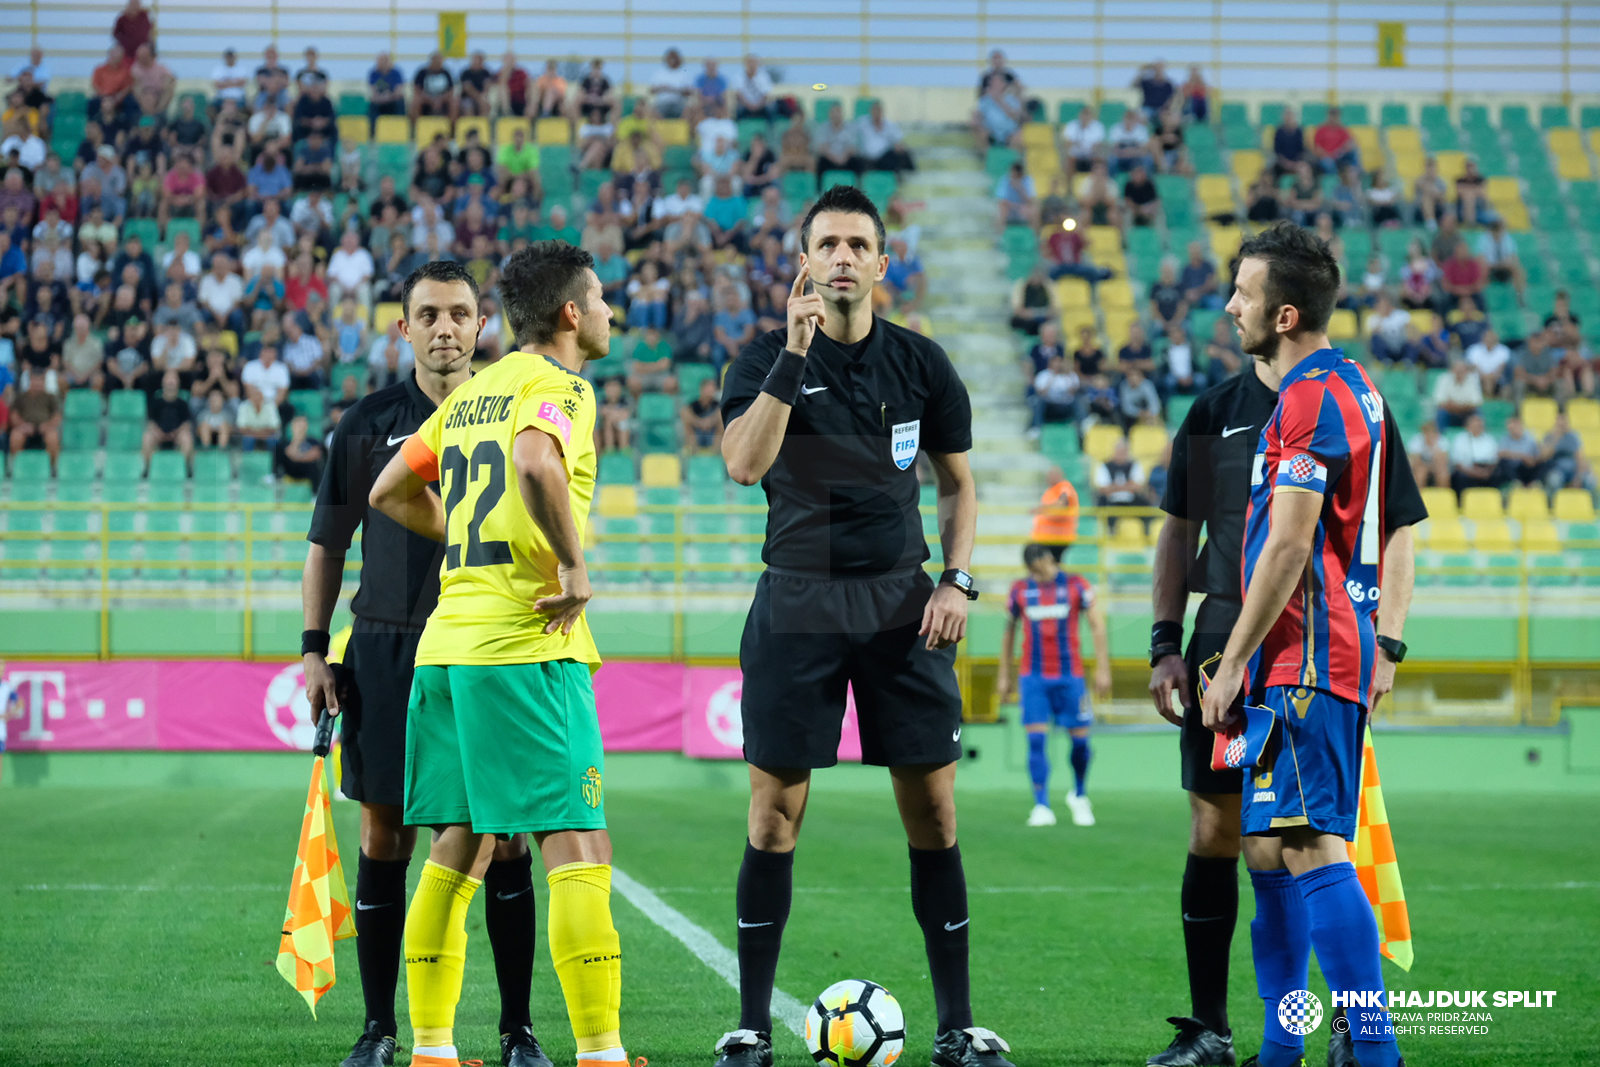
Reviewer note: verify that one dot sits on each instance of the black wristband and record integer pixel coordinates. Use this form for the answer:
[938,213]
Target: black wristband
[314,641]
[1166,632]
[783,380]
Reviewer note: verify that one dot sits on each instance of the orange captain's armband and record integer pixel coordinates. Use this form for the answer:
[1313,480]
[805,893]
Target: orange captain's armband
[420,458]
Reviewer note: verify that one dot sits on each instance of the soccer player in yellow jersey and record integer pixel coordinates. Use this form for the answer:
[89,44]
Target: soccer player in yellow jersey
[502,735]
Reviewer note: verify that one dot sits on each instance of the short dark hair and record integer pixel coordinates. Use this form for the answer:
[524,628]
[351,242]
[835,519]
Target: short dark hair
[537,282]
[1033,553]
[1301,272]
[848,200]
[437,270]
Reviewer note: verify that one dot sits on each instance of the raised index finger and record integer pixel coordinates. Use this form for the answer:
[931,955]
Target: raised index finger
[799,287]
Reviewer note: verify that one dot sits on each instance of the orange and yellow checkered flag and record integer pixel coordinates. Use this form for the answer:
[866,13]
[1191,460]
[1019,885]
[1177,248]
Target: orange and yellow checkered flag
[319,902]
[1373,854]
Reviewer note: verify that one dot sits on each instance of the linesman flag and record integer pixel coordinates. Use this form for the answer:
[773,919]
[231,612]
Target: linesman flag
[319,902]
[1373,854]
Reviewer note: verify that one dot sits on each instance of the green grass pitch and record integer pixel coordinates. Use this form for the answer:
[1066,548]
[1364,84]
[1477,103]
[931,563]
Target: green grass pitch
[1077,952]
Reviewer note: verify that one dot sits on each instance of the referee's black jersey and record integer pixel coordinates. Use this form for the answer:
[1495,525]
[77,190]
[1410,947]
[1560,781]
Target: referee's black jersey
[404,567]
[842,495]
[1208,481]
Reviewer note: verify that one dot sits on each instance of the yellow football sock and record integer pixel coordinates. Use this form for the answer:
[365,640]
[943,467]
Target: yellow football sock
[436,951]
[587,953]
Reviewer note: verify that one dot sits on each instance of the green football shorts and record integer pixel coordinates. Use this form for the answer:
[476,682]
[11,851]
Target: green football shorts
[507,749]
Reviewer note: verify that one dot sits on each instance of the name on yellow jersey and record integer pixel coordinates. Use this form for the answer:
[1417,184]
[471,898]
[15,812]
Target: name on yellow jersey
[480,411]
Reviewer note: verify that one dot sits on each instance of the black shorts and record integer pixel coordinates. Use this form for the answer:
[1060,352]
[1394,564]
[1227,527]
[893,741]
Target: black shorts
[1212,625]
[806,639]
[381,660]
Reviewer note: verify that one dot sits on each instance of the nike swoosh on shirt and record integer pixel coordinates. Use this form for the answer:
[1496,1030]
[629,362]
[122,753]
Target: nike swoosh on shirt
[952,927]
[809,389]
[1231,430]
[396,440]
[751,926]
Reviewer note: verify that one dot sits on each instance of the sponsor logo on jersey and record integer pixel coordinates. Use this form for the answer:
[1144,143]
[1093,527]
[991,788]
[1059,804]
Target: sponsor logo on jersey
[1260,796]
[1046,611]
[548,412]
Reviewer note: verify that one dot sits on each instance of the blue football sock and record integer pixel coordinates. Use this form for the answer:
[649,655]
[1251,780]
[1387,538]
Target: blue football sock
[1080,764]
[1039,767]
[1280,941]
[1346,938]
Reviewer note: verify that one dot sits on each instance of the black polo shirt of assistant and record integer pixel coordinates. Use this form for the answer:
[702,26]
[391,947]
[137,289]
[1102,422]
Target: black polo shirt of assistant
[843,493]
[399,569]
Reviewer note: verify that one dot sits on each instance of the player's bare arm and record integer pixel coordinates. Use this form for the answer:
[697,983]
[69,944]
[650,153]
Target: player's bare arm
[1282,565]
[400,493]
[1398,578]
[1175,554]
[542,480]
[319,593]
[751,441]
[1102,651]
[944,620]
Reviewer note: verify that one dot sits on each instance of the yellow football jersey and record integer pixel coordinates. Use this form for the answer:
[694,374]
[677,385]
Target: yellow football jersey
[497,562]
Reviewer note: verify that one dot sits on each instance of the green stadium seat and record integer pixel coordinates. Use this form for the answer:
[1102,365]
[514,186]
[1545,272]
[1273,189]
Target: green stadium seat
[1178,405]
[615,468]
[657,407]
[1355,115]
[33,466]
[748,128]
[308,402]
[1589,117]
[254,466]
[1512,116]
[1395,114]
[677,157]
[998,160]
[1234,114]
[708,495]
[1313,114]
[352,104]
[1239,137]
[1059,442]
[147,230]
[830,178]
[75,468]
[213,468]
[129,404]
[864,105]
[1271,113]
[590,181]
[706,470]
[188,226]
[1111,112]
[124,436]
[81,435]
[1474,116]
[168,467]
[801,185]
[82,404]
[690,375]
[879,185]
[1068,110]
[822,105]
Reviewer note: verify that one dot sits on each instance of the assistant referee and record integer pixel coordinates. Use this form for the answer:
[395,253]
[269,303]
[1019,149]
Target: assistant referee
[1208,486]
[399,588]
[829,417]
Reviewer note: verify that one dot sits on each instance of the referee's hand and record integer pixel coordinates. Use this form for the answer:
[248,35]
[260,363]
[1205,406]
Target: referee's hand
[944,620]
[805,313]
[1171,675]
[566,608]
[321,686]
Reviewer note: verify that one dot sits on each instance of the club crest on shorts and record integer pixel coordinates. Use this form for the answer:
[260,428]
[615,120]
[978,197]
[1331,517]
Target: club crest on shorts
[591,786]
[903,440]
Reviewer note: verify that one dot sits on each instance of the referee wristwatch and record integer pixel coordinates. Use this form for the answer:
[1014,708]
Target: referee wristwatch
[1392,647]
[961,580]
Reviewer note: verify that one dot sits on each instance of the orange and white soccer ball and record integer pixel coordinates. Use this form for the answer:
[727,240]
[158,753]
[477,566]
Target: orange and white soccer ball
[855,1024]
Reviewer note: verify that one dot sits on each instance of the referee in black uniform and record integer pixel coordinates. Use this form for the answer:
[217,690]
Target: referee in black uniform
[829,417]
[441,323]
[1208,485]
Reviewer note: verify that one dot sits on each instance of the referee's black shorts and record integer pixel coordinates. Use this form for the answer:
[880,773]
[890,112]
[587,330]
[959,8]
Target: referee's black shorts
[1212,625]
[381,661]
[808,638]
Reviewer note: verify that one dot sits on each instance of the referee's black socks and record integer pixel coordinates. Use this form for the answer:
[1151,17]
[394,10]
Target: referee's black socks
[766,889]
[1210,912]
[380,930]
[939,901]
[509,918]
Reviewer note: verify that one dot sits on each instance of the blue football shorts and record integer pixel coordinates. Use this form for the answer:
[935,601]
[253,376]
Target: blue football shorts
[1058,701]
[1310,774]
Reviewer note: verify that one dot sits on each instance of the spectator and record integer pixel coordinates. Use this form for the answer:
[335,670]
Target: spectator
[168,424]
[725,213]
[1119,480]
[1348,204]
[1137,352]
[1129,142]
[881,142]
[214,428]
[1088,358]
[614,428]
[1155,89]
[1428,193]
[1457,396]
[182,192]
[752,88]
[1169,303]
[513,86]
[1474,457]
[132,359]
[650,365]
[837,143]
[1333,147]
[313,163]
[229,79]
[1143,202]
[1067,250]
[350,271]
[176,310]
[1033,302]
[1081,140]
[1394,337]
[1417,278]
[711,86]
[1472,202]
[1224,357]
[594,105]
[267,376]
[28,145]
[477,81]
[36,67]
[1305,195]
[1170,152]
[702,419]
[1374,281]
[172,349]
[1565,465]
[759,170]
[433,90]
[732,326]
[647,298]
[390,358]
[257,421]
[301,456]
[1262,204]
[1521,454]
[269,129]
[36,420]
[1491,360]
[693,333]
[549,96]
[386,89]
[518,156]
[1198,280]
[1138,402]
[153,82]
[83,357]
[999,117]
[301,286]
[1430,457]
[997,72]
[1055,395]
[671,86]
[1045,348]
[303,354]
[313,111]
[133,28]
[1445,240]
[1180,362]
[906,281]
[217,373]
[1383,200]
[350,332]
[39,355]
[1018,197]
[271,221]
[1288,144]
[272,81]
[110,84]
[1196,96]
[715,133]
[1464,275]
[1499,252]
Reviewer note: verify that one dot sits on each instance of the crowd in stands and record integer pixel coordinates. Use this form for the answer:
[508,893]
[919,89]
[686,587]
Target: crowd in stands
[223,252]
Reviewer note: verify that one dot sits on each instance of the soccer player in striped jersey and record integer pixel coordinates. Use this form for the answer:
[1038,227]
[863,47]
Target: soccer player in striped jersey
[1047,606]
[1305,644]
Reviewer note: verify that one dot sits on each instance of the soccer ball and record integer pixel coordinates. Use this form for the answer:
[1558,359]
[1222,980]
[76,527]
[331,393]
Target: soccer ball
[855,1024]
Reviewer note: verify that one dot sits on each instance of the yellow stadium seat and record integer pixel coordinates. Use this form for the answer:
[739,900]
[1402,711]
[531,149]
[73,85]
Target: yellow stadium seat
[552,131]
[1099,440]
[1528,504]
[393,129]
[1042,164]
[618,501]
[1104,241]
[1404,140]
[1117,324]
[1343,325]
[1408,168]
[1502,188]
[384,314]
[1451,164]
[1572,162]
[1539,535]
[1366,138]
[1492,535]
[1446,535]
[504,126]
[354,129]
[1539,414]
[1116,293]
[430,128]
[472,122]
[1583,413]
[1574,505]
[1216,193]
[1594,141]
[660,470]
[1147,443]
[1128,533]
[1073,320]
[1074,293]
[1591,443]
[1247,164]
[1422,320]
[1267,134]
[1440,502]
[673,131]
[1039,135]
[1481,503]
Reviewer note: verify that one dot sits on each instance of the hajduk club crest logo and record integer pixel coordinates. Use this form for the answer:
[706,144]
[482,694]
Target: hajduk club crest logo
[1302,468]
[1300,1012]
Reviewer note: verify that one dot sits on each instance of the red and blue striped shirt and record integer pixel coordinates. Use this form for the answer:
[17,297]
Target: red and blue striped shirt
[1050,613]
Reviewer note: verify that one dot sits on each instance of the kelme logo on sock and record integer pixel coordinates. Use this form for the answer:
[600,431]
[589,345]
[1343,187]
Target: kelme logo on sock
[1300,1012]
[591,786]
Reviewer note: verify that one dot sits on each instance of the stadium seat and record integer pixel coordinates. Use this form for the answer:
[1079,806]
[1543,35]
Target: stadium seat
[1099,440]
[1440,502]
[82,404]
[830,178]
[1247,164]
[1481,503]
[673,131]
[385,313]
[998,160]
[392,129]
[504,126]
[1146,443]
[1111,112]
[354,129]
[472,123]
[168,467]
[1343,325]
[617,501]
[1445,534]
[1075,292]
[1059,440]
[799,186]
[1038,135]
[430,128]
[1583,413]
[615,468]
[1528,503]
[1574,505]
[1539,414]
[1539,535]
[1492,535]
[661,470]
[31,466]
